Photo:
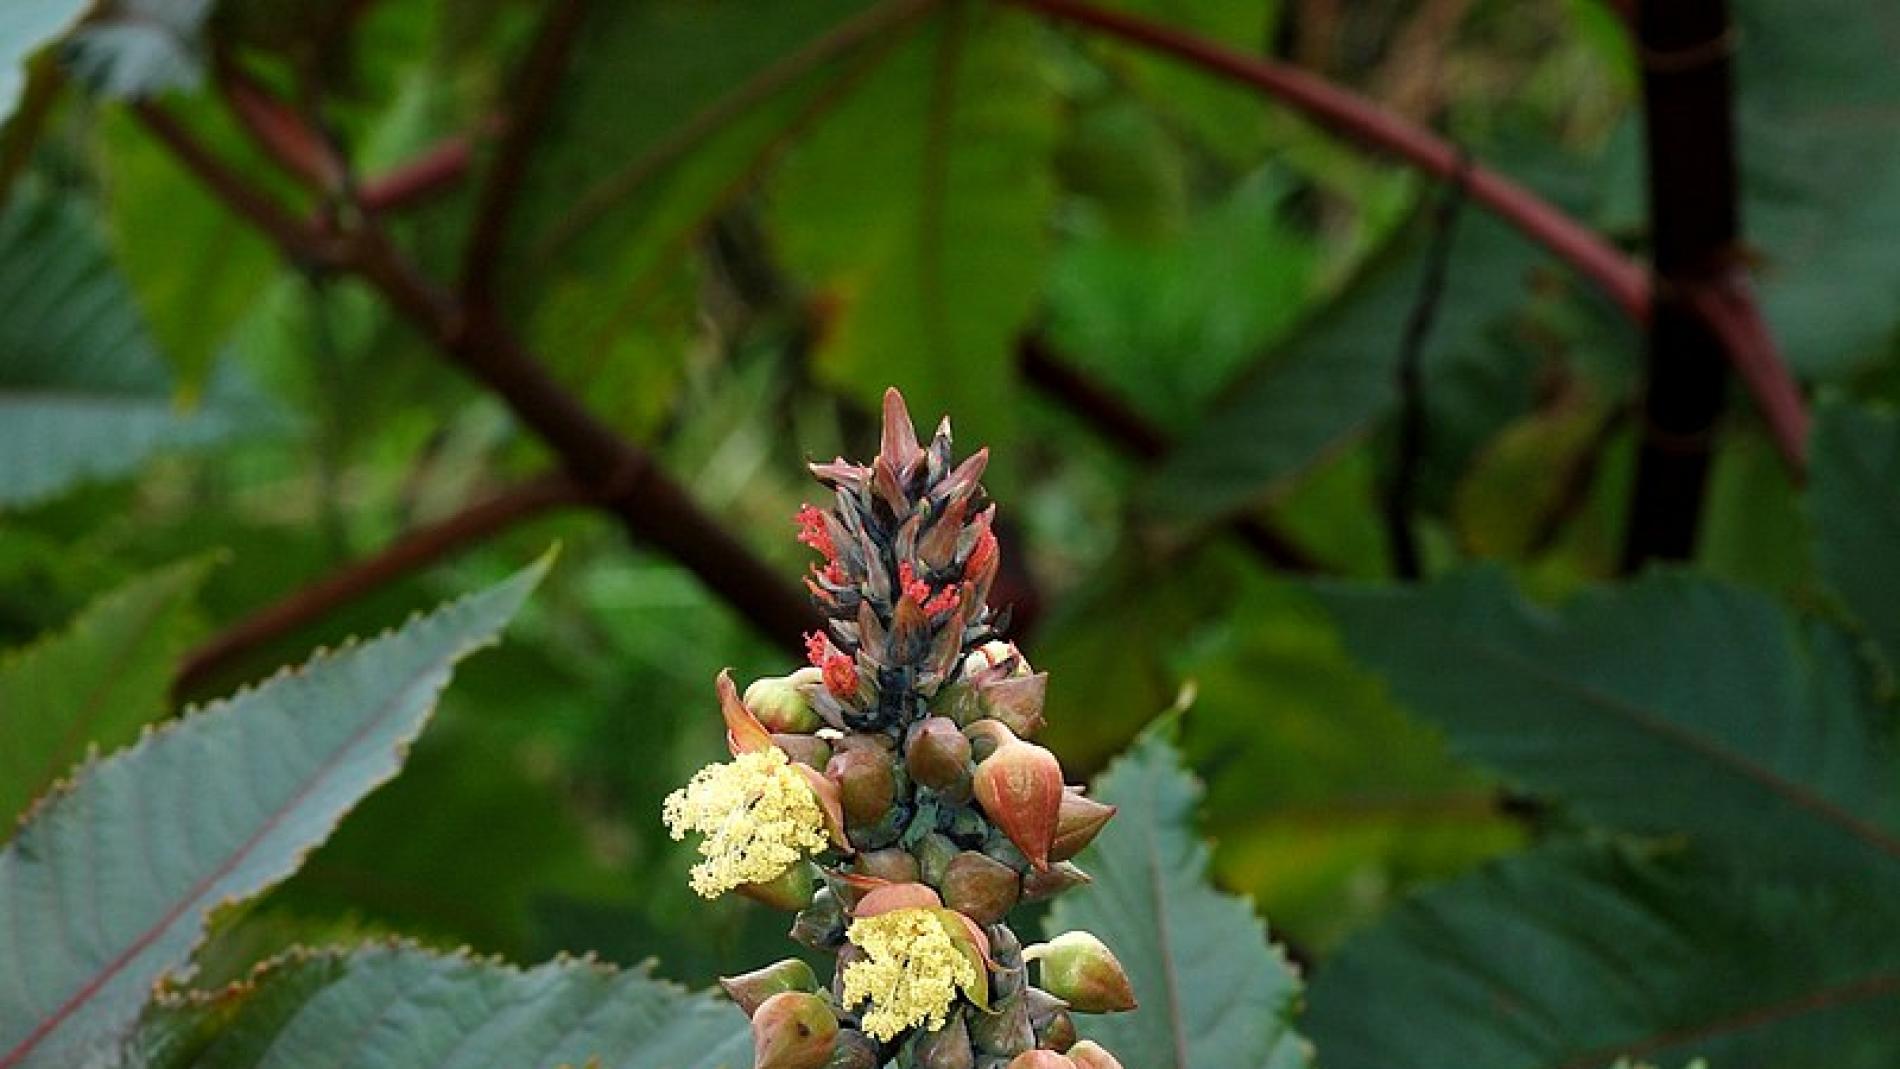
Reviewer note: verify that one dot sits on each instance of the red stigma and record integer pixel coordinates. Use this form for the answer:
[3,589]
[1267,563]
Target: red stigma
[912,587]
[812,530]
[982,555]
[841,677]
[817,647]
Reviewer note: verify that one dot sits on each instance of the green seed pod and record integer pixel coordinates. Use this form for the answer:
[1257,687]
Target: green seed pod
[1080,970]
[934,852]
[793,1030]
[946,1048]
[889,864]
[752,989]
[866,782]
[783,703]
[938,755]
[820,925]
[791,891]
[980,888]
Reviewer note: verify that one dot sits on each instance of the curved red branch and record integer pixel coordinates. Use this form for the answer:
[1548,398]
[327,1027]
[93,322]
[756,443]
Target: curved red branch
[1730,312]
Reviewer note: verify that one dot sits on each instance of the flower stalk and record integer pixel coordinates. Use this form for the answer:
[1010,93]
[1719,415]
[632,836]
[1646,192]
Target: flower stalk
[890,794]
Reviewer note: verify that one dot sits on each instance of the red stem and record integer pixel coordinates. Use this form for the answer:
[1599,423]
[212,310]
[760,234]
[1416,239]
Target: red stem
[1751,348]
[414,551]
[431,171]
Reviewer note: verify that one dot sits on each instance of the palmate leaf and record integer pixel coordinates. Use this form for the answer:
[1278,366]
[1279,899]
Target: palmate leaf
[1820,155]
[918,212]
[94,683]
[1337,376]
[1569,958]
[1669,705]
[108,885]
[610,211]
[400,1007]
[1857,517]
[1214,993]
[83,393]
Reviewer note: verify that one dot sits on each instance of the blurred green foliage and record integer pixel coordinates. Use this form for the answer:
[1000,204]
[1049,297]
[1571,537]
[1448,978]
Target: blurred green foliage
[738,221]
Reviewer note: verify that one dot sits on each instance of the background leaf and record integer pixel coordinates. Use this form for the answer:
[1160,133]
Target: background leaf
[1857,518]
[1671,704]
[916,213]
[98,899]
[94,683]
[1214,993]
[26,26]
[406,1008]
[1569,958]
[83,393]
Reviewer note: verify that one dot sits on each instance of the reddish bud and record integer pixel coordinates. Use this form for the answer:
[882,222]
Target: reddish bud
[1041,884]
[808,750]
[891,864]
[793,1030]
[744,733]
[752,989]
[866,783]
[896,896]
[1089,1054]
[1041,1059]
[937,754]
[1019,787]
[1080,970]
[1078,822]
[946,1048]
[980,887]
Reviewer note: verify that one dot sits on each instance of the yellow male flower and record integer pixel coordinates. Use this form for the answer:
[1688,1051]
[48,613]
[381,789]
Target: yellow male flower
[758,814]
[911,972]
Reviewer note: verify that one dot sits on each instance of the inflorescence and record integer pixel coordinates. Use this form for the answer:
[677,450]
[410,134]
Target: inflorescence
[890,796]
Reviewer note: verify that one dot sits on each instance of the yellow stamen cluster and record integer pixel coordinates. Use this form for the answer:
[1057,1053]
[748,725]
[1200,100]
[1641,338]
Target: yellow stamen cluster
[759,818]
[911,972]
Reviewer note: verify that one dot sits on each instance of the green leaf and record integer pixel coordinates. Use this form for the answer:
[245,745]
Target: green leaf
[1214,993]
[1570,958]
[917,211]
[401,1007]
[195,268]
[1821,173]
[26,26]
[108,885]
[1856,518]
[609,211]
[1337,376]
[83,394]
[1668,705]
[94,683]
